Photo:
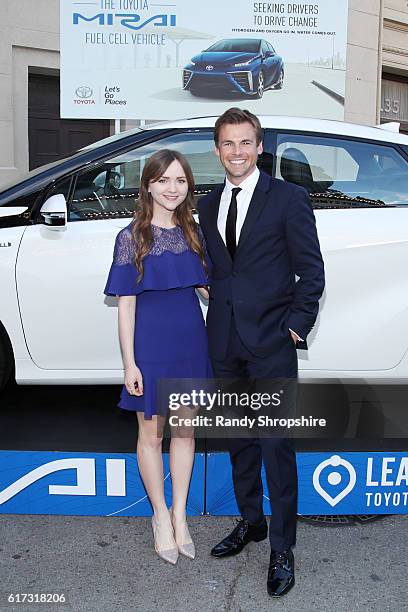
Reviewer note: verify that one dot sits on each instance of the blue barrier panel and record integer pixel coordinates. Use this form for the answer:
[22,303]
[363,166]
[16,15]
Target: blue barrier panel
[220,498]
[97,484]
[353,483]
[329,483]
[91,484]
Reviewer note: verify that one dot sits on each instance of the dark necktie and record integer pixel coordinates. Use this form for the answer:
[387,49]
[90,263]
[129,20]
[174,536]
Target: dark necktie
[231,225]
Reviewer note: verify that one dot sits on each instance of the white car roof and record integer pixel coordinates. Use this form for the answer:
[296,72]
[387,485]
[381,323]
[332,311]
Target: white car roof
[304,124]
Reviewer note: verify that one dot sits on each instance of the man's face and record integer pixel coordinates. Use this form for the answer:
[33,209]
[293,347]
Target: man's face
[238,151]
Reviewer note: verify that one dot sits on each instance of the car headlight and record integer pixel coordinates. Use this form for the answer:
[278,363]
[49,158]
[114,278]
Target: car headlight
[244,63]
[192,63]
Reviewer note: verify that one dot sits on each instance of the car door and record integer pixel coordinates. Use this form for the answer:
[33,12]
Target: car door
[359,192]
[69,323]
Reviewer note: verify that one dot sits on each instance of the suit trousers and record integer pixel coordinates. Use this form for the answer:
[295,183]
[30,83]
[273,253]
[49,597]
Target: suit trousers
[276,453]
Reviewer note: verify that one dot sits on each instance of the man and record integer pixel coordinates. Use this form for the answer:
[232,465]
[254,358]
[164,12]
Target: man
[260,233]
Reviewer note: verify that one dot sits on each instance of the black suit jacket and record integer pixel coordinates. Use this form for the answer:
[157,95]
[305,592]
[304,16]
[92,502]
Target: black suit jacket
[278,241]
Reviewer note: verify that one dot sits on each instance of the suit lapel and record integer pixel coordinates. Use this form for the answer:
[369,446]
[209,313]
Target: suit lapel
[214,206]
[256,205]
[212,218]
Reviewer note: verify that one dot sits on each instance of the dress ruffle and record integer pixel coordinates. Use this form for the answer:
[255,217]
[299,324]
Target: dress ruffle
[150,402]
[161,272]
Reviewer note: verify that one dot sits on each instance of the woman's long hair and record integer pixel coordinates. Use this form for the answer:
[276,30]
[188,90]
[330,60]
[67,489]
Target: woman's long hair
[156,167]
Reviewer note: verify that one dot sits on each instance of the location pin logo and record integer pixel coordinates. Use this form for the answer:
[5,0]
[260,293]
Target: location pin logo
[334,478]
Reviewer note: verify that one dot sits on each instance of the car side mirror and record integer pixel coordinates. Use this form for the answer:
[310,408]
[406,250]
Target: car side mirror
[115,179]
[54,212]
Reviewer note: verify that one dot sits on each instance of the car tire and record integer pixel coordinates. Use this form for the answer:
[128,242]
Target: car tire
[279,83]
[6,359]
[260,86]
[195,93]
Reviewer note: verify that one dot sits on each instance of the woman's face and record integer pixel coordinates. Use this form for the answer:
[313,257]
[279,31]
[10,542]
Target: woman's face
[171,189]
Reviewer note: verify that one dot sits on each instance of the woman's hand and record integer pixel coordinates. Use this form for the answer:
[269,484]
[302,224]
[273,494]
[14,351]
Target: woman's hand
[203,291]
[133,380]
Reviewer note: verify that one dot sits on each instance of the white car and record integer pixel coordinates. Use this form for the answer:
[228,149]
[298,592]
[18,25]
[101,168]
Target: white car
[58,226]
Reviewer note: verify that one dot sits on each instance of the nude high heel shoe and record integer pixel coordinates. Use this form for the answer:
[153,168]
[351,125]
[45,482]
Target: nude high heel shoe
[171,554]
[188,549]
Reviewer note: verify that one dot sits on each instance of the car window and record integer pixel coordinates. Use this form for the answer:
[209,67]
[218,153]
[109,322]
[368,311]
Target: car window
[351,171]
[111,188]
[41,177]
[264,47]
[236,45]
[62,187]
[270,47]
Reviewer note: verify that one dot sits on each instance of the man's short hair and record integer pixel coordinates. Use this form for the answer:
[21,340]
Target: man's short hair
[236,116]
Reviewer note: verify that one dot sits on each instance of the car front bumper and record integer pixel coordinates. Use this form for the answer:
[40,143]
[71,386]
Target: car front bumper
[241,81]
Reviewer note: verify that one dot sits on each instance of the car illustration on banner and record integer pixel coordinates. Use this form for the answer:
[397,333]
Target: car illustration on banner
[58,227]
[246,66]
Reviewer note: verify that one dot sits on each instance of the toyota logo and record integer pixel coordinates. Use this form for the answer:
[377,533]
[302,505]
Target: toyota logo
[84,91]
[209,67]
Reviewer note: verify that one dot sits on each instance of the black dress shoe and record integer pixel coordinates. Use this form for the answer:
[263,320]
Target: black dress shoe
[281,573]
[243,533]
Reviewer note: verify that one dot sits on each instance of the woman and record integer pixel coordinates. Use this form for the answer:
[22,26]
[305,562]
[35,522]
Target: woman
[159,260]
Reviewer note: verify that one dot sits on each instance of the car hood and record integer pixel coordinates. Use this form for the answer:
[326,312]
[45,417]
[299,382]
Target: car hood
[222,57]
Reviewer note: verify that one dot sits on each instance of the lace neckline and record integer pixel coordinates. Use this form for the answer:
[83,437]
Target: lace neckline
[165,239]
[164,228]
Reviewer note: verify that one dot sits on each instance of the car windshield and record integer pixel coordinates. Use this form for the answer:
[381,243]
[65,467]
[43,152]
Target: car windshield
[32,173]
[112,138]
[54,164]
[239,45]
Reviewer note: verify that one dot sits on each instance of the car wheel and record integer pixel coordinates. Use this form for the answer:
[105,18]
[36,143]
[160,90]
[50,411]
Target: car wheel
[6,359]
[279,83]
[195,93]
[260,85]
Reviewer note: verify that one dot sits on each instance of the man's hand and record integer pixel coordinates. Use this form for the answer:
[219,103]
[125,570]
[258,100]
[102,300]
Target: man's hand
[295,337]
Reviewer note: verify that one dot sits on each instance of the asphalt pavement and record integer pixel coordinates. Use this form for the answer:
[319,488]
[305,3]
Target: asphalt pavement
[108,563]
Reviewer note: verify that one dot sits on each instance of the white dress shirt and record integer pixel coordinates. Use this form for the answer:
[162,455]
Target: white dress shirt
[243,200]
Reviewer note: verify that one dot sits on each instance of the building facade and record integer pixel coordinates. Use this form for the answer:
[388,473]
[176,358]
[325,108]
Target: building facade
[32,133]
[394,63]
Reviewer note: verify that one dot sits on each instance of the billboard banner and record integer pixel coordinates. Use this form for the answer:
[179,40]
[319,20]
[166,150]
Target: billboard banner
[141,60]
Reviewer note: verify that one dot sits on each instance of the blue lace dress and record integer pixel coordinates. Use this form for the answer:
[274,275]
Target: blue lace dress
[170,336]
